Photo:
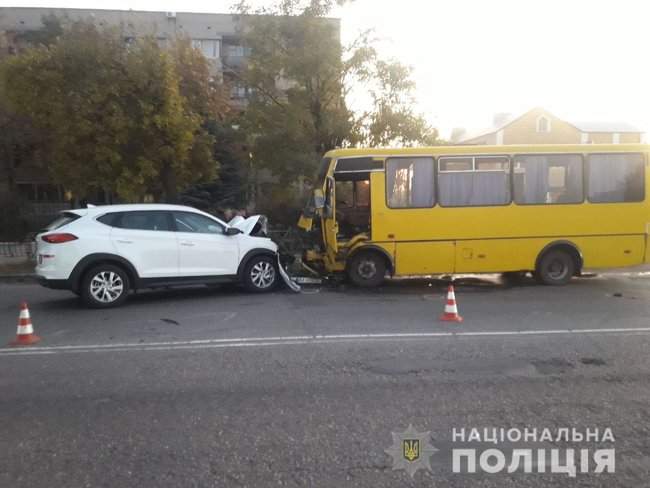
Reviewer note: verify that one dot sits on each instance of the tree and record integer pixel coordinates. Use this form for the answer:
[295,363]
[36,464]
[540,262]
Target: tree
[229,190]
[167,148]
[119,117]
[301,77]
[297,109]
[392,119]
[19,142]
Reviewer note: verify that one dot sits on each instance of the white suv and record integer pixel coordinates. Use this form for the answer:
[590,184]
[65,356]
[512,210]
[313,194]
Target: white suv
[100,253]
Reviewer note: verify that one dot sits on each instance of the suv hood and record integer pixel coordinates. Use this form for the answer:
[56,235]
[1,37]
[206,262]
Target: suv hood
[247,226]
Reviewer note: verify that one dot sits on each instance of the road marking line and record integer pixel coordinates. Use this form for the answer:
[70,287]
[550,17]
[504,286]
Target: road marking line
[305,339]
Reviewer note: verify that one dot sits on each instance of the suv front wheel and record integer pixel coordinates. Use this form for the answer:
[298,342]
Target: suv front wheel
[260,274]
[104,286]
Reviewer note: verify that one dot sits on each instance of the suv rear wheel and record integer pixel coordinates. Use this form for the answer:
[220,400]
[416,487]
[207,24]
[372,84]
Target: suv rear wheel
[104,286]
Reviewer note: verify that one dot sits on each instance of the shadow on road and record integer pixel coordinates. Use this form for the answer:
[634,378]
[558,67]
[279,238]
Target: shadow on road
[479,284]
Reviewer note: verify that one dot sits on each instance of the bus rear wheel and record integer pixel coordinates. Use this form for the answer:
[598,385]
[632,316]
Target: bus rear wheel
[367,269]
[555,268]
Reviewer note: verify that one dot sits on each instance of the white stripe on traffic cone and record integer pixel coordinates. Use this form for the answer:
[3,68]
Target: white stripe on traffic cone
[451,310]
[25,330]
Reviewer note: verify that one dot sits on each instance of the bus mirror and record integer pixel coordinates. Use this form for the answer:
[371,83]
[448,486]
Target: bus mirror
[319,199]
[328,208]
[314,205]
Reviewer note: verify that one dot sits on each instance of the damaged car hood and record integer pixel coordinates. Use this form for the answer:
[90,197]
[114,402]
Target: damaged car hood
[247,226]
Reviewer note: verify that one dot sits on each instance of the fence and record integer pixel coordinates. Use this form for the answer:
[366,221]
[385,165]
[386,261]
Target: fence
[25,249]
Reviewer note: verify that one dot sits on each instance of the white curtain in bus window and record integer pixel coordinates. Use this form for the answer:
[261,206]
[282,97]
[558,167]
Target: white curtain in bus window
[470,181]
[409,182]
[548,179]
[616,178]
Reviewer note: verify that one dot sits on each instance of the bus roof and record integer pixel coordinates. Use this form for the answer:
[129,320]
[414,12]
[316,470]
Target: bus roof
[479,149]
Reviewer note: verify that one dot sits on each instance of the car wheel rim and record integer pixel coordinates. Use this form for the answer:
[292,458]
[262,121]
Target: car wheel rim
[367,269]
[557,269]
[263,274]
[106,286]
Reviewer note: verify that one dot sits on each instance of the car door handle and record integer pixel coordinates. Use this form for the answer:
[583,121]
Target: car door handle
[185,243]
[122,241]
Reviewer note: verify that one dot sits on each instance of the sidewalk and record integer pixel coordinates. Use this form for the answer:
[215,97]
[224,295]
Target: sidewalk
[12,268]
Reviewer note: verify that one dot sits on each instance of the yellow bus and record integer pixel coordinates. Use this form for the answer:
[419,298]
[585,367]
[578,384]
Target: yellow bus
[547,209]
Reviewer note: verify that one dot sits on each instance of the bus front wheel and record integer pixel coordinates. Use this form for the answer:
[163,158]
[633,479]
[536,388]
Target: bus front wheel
[556,267]
[367,269]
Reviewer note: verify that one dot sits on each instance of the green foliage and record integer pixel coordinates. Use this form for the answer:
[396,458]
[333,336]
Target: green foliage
[202,93]
[228,191]
[392,120]
[301,78]
[117,117]
[297,110]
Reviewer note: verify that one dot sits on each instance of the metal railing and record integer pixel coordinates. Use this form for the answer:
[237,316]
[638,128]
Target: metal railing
[26,249]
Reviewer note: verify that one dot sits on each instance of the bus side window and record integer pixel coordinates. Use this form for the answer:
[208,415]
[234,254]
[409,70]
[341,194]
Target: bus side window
[548,179]
[616,178]
[409,182]
[465,181]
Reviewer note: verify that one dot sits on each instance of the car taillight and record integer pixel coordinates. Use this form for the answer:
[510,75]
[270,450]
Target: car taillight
[59,238]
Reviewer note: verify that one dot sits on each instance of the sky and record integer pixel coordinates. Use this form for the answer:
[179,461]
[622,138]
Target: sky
[584,60]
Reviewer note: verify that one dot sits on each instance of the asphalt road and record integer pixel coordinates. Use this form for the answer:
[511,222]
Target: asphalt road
[216,387]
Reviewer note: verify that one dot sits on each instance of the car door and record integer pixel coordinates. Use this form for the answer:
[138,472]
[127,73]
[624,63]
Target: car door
[146,238]
[204,248]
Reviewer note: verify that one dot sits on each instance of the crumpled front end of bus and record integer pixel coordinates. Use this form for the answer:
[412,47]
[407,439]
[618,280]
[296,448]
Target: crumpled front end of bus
[312,210]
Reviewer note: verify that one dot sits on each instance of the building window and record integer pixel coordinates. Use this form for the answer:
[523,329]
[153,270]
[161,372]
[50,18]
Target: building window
[616,138]
[616,178]
[209,47]
[547,179]
[234,51]
[543,124]
[409,183]
[474,181]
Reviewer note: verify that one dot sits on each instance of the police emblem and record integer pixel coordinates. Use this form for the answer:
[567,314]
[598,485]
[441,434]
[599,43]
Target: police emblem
[411,450]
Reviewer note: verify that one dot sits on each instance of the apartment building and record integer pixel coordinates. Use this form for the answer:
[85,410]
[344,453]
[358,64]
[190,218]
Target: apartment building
[216,35]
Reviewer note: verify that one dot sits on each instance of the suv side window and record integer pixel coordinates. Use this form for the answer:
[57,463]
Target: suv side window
[143,220]
[200,224]
[110,218]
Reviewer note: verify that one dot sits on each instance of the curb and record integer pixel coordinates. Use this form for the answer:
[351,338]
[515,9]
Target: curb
[7,277]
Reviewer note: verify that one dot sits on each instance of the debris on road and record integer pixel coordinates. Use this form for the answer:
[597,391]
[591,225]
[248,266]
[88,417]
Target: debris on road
[293,286]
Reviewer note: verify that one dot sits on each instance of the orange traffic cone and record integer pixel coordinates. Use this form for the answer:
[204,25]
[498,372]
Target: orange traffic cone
[451,311]
[25,334]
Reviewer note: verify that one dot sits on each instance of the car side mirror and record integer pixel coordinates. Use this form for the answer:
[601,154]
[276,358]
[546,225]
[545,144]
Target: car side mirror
[232,231]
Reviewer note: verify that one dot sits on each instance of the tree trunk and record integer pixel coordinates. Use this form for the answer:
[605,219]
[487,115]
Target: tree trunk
[169,186]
